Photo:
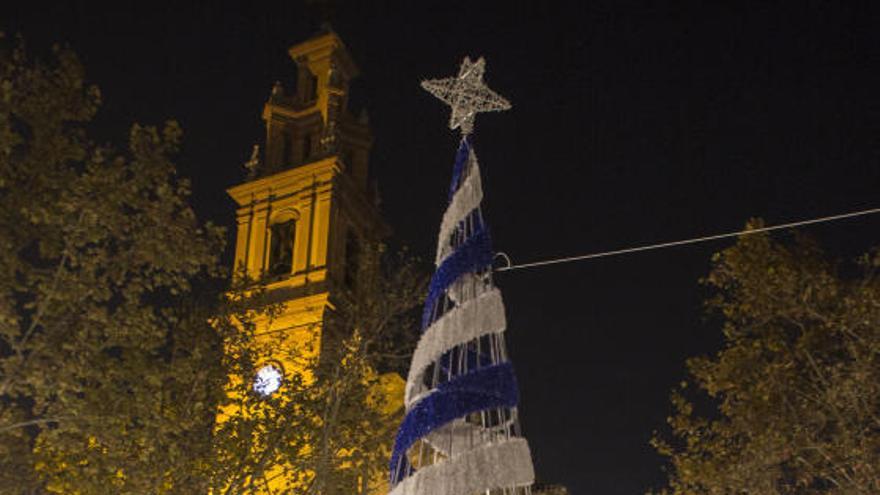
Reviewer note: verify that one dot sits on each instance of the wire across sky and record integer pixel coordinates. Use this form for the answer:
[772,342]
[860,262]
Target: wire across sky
[694,240]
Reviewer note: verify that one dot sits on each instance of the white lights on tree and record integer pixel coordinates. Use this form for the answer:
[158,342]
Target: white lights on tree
[268,380]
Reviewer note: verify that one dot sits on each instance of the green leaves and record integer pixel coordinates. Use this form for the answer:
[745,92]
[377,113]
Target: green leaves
[328,428]
[116,356]
[101,360]
[791,403]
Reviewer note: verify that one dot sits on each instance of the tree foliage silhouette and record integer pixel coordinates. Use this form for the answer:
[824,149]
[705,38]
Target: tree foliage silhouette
[118,346]
[791,404]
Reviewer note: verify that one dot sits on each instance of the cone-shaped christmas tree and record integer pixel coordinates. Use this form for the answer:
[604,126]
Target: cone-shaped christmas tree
[460,435]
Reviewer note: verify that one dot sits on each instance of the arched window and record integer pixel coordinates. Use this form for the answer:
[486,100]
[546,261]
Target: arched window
[286,149]
[282,239]
[352,259]
[307,146]
[312,90]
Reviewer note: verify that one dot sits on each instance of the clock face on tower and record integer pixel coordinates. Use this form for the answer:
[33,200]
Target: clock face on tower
[268,380]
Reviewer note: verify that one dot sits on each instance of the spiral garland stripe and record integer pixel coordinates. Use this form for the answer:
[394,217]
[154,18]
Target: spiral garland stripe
[492,386]
[463,202]
[474,255]
[471,320]
[507,464]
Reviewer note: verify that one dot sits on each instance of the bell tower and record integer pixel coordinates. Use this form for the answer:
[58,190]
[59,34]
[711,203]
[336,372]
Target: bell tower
[304,213]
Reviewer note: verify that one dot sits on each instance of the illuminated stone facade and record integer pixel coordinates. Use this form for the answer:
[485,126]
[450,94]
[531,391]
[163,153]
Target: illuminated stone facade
[305,210]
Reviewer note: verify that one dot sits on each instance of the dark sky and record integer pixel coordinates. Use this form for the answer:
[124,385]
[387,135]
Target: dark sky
[631,124]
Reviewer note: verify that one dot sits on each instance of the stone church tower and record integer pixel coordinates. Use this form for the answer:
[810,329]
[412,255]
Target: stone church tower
[304,212]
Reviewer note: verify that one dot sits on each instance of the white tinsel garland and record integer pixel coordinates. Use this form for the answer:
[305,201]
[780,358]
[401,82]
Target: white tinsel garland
[507,463]
[480,316]
[464,201]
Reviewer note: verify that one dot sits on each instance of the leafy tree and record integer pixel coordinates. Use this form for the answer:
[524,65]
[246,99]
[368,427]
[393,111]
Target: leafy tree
[329,427]
[791,404]
[103,372]
[113,365]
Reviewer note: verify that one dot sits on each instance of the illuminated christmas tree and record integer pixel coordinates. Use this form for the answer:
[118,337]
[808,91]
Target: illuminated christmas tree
[460,435]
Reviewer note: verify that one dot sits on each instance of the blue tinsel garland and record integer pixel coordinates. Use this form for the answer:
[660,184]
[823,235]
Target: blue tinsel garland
[478,390]
[474,255]
[461,157]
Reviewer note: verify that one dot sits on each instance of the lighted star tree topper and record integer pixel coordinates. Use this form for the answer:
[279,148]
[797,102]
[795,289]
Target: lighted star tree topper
[461,434]
[467,94]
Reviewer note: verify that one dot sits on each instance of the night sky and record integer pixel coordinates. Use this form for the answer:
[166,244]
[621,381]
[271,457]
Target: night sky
[631,124]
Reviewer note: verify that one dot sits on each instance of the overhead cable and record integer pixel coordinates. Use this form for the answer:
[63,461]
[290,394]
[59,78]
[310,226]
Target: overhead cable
[695,240]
